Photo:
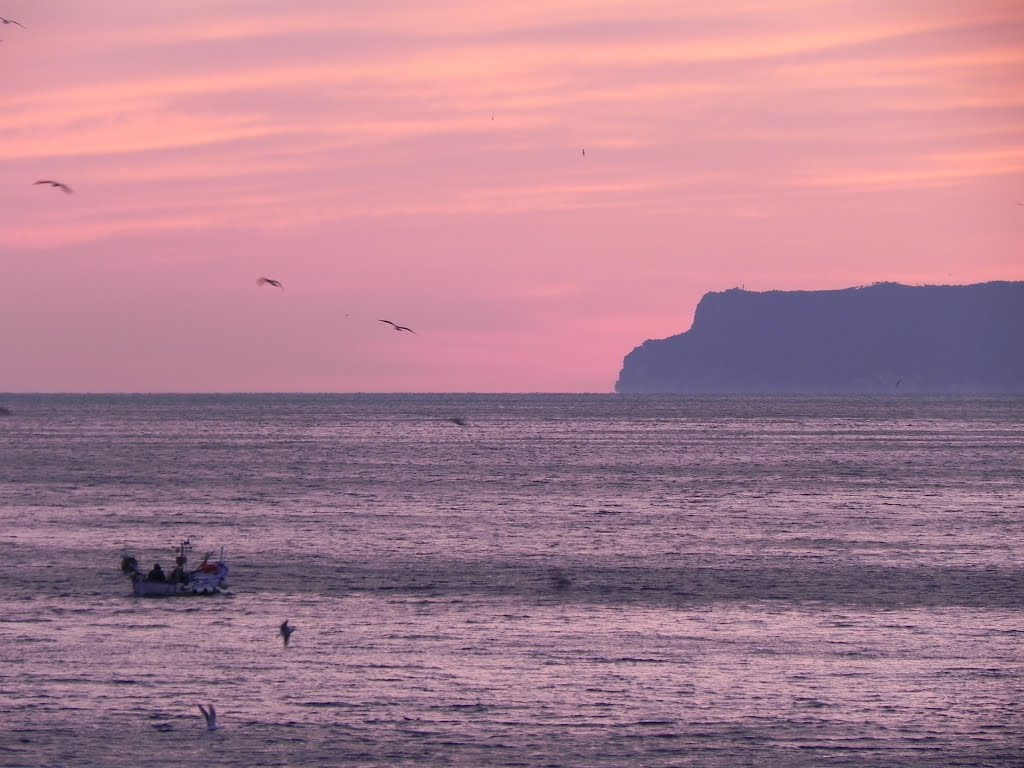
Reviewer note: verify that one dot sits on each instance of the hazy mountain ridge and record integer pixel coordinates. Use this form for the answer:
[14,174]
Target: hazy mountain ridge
[934,339]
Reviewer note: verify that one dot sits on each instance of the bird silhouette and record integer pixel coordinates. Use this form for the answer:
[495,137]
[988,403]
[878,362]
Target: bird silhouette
[286,631]
[211,717]
[11,21]
[268,281]
[396,326]
[52,183]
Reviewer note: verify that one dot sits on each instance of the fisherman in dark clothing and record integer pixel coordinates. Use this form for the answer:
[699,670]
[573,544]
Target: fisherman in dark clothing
[178,574]
[157,574]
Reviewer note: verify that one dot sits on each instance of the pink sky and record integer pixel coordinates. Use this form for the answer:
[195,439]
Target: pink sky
[421,162]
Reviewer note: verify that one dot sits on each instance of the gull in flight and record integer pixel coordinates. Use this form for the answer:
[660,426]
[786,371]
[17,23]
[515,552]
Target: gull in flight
[52,183]
[211,717]
[396,326]
[286,631]
[11,21]
[268,281]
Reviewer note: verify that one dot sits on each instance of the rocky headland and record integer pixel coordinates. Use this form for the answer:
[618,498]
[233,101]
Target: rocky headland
[885,337]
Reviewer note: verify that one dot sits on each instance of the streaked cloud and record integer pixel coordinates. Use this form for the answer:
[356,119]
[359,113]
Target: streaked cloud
[726,143]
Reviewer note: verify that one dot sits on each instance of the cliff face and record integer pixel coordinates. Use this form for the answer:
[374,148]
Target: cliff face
[935,339]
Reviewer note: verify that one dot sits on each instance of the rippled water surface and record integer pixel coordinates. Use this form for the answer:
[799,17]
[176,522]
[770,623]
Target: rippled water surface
[516,580]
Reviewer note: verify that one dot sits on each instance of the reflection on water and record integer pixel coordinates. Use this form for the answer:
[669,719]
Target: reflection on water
[559,580]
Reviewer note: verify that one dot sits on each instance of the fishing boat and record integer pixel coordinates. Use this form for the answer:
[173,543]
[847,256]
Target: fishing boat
[210,578]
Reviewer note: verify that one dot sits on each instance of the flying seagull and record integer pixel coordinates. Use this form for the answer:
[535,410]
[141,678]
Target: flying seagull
[11,21]
[211,717]
[396,326]
[286,631]
[52,183]
[268,281]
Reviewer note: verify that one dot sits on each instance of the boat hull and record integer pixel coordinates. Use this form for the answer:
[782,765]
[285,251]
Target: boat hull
[204,582]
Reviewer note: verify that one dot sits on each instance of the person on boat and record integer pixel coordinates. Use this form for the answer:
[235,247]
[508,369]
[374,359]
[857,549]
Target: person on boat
[178,574]
[157,574]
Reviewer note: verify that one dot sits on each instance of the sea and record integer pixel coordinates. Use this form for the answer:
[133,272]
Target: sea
[515,580]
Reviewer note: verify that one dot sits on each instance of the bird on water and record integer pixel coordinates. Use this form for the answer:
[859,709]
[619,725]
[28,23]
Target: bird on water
[210,715]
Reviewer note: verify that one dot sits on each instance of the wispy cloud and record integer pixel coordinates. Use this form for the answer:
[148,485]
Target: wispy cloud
[448,135]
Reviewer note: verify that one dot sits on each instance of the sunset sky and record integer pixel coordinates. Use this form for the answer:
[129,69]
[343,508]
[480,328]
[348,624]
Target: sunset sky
[423,162]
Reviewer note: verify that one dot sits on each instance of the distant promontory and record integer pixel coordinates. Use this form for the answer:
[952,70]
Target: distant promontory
[881,338]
